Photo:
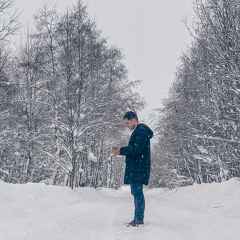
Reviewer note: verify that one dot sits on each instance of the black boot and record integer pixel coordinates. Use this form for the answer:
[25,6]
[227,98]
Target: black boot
[135,223]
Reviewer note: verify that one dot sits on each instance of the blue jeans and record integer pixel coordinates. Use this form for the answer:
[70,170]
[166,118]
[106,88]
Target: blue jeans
[139,201]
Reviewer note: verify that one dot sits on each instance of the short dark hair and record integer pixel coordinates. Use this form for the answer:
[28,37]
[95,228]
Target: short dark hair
[130,115]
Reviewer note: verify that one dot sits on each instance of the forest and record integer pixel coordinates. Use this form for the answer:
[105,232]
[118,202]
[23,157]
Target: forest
[63,94]
[198,125]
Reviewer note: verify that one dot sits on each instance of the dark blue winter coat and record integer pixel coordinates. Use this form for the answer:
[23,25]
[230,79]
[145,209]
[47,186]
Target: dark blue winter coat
[138,158]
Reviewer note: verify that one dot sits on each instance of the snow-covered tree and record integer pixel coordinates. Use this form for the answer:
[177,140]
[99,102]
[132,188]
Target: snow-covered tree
[199,123]
[73,90]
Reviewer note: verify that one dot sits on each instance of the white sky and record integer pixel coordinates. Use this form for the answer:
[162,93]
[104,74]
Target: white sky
[150,32]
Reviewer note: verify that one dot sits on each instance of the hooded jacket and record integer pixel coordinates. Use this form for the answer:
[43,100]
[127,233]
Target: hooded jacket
[138,158]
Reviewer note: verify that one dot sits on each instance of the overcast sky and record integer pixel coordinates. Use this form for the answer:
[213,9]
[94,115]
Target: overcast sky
[150,32]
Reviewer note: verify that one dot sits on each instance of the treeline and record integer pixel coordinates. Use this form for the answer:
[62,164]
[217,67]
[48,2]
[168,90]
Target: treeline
[63,95]
[64,91]
[198,125]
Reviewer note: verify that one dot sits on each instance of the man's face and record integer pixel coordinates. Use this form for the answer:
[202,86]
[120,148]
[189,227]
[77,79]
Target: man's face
[131,124]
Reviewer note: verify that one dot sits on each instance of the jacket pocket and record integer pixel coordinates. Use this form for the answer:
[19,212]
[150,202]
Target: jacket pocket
[139,163]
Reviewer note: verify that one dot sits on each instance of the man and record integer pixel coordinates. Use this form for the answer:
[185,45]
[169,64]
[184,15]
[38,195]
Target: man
[138,162]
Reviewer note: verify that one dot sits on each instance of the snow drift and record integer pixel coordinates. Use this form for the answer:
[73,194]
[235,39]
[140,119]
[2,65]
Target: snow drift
[40,211]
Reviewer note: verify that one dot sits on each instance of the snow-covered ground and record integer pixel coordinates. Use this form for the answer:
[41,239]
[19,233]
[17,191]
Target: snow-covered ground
[41,212]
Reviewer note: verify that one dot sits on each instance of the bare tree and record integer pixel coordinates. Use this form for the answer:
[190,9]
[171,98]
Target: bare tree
[9,21]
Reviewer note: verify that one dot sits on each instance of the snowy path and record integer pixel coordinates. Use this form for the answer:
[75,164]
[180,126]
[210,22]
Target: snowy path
[103,218]
[190,213]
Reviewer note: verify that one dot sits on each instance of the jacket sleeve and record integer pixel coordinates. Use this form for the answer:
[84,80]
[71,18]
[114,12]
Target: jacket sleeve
[137,146]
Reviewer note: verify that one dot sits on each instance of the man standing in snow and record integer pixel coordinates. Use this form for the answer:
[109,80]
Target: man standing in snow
[138,162]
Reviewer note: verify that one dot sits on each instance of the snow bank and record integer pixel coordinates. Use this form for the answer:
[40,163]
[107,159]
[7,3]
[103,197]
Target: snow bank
[20,200]
[43,212]
[217,198]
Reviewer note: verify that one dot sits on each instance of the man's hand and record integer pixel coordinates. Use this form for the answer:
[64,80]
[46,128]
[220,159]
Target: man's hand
[116,150]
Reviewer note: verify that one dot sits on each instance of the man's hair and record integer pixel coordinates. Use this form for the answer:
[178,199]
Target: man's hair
[130,115]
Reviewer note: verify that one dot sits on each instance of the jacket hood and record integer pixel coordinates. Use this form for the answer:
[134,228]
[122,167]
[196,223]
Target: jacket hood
[142,125]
